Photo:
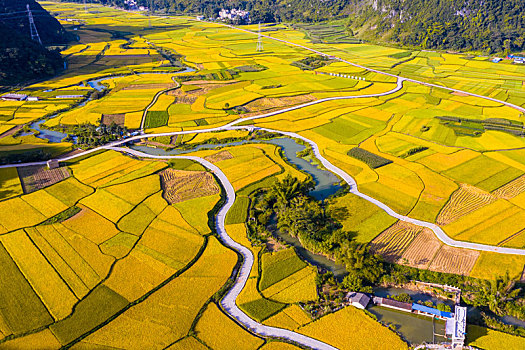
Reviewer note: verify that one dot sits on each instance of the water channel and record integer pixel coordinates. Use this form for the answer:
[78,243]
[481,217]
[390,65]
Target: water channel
[415,329]
[326,184]
[56,136]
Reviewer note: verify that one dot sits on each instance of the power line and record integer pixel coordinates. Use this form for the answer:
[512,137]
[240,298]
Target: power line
[18,12]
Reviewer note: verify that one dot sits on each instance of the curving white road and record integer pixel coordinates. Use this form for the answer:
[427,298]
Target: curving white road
[155,98]
[519,108]
[229,301]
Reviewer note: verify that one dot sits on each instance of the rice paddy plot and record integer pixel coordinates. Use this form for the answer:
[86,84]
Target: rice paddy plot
[48,285]
[181,185]
[465,200]
[279,265]
[10,183]
[167,314]
[22,309]
[351,328]
[493,265]
[484,172]
[361,216]
[218,331]
[391,243]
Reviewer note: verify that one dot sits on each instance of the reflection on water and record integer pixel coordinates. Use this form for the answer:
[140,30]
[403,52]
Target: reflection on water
[416,329]
[56,136]
[326,184]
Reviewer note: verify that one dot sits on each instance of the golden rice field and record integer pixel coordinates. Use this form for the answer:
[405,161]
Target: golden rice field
[71,239]
[464,201]
[74,273]
[351,328]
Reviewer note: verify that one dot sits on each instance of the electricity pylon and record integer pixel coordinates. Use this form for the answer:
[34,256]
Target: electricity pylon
[259,41]
[32,26]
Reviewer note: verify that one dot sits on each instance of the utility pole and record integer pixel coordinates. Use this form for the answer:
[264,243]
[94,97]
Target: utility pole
[149,13]
[32,26]
[259,41]
[85,6]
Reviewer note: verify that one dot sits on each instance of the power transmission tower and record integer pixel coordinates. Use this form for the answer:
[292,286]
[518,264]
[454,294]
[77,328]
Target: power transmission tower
[85,6]
[32,26]
[259,41]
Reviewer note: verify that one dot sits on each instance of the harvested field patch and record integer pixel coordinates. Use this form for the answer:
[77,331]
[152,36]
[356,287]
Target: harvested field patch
[38,177]
[421,251]
[454,260]
[465,200]
[181,185]
[108,119]
[277,102]
[392,242]
[512,189]
[217,157]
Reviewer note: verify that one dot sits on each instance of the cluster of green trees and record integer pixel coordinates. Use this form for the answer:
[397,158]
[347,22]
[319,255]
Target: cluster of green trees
[482,25]
[24,156]
[89,135]
[286,206]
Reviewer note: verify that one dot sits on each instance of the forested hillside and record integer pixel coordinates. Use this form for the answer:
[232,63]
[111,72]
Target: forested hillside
[20,57]
[482,25]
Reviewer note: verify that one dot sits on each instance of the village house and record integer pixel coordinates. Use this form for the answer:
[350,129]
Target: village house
[14,97]
[359,300]
[393,304]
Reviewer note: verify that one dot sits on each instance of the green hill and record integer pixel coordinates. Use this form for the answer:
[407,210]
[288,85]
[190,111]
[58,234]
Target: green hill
[482,25]
[21,58]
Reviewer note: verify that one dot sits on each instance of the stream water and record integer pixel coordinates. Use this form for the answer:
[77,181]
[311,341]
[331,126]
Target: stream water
[56,136]
[326,184]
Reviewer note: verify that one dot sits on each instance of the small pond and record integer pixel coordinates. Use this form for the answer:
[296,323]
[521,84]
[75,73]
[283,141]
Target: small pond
[416,329]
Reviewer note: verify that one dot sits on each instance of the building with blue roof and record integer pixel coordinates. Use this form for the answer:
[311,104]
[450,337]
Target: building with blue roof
[422,309]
